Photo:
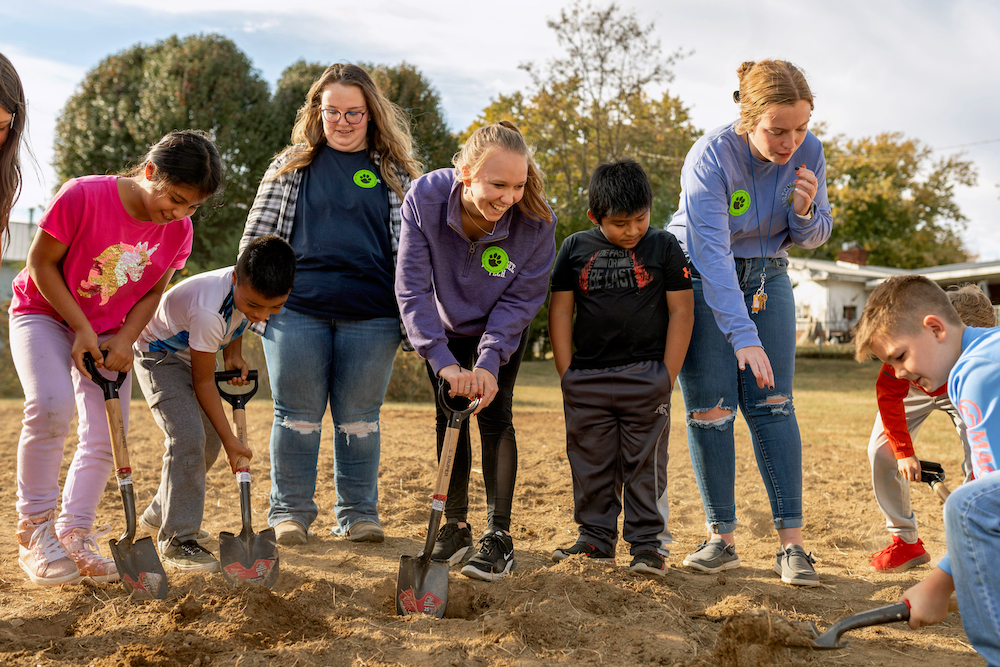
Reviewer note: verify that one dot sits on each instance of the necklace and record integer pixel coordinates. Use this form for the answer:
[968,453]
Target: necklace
[760,297]
[473,220]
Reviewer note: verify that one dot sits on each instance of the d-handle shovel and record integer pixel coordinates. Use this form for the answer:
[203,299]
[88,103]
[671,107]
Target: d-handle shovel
[831,638]
[422,583]
[138,564]
[245,557]
[933,474]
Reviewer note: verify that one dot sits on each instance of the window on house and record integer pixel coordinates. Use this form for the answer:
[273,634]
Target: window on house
[850,313]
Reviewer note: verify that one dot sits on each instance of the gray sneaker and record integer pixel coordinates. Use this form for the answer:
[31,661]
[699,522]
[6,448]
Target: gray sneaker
[713,556]
[795,566]
[189,556]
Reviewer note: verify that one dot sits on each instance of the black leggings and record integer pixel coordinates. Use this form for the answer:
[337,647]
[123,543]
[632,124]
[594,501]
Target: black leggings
[496,429]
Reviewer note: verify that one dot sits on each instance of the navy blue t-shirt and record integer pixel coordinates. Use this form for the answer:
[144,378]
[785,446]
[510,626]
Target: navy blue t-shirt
[341,238]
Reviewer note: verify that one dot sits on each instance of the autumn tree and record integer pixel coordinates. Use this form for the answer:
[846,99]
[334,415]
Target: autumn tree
[404,84]
[132,98]
[596,103]
[890,195]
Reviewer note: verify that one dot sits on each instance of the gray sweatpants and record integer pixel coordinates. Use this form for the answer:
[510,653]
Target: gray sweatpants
[191,443]
[617,428]
[892,492]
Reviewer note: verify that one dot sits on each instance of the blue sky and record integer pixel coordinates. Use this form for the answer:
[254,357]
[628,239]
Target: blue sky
[923,68]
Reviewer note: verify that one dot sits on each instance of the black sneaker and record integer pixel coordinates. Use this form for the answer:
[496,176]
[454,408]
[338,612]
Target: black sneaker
[452,543]
[649,562]
[583,549]
[495,558]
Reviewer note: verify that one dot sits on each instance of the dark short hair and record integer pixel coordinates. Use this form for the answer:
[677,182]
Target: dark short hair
[267,266]
[619,187]
[187,158]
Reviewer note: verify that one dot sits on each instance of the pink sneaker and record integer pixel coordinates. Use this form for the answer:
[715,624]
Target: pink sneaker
[82,547]
[41,555]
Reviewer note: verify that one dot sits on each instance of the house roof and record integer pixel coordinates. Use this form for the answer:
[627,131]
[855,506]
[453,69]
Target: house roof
[821,269]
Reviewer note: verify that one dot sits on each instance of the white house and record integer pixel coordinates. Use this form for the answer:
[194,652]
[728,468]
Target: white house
[829,296]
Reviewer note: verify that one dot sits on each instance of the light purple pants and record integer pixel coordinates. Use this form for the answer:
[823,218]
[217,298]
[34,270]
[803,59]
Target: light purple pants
[52,388]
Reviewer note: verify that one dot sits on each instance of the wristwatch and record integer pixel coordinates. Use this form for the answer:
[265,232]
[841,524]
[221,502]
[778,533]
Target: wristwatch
[810,214]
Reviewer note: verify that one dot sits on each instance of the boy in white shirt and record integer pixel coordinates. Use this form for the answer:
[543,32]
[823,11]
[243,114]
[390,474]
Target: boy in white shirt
[175,366]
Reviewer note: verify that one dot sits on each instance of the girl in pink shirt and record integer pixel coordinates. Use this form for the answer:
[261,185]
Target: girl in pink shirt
[106,249]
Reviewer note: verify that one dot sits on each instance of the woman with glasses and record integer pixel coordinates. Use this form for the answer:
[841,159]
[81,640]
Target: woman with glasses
[335,195]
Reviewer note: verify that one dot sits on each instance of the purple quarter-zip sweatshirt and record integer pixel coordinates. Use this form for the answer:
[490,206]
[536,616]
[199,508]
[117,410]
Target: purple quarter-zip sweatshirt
[449,286]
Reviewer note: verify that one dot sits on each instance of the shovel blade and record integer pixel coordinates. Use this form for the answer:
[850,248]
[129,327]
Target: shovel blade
[249,557]
[139,567]
[421,586]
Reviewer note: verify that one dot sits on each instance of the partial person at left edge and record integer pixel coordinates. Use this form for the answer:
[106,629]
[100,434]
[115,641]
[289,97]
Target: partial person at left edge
[13,123]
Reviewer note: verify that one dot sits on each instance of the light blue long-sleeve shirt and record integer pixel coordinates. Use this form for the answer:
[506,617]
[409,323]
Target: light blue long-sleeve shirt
[726,211]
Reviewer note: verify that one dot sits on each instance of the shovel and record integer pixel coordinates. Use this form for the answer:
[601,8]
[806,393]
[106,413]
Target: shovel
[831,638]
[138,564]
[933,474]
[248,556]
[422,583]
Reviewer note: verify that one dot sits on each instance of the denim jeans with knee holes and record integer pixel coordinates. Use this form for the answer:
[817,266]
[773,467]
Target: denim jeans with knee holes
[312,361]
[711,378]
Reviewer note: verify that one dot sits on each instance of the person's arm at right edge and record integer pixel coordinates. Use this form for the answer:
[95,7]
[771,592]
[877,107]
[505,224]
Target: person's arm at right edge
[679,327]
[929,599]
[561,329]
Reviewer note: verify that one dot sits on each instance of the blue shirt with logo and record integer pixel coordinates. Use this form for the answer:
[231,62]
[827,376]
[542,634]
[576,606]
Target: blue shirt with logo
[341,238]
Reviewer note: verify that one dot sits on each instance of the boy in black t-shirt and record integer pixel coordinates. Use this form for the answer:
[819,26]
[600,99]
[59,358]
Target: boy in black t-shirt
[631,286]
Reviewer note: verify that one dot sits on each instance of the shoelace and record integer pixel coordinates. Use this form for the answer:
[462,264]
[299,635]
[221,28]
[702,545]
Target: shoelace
[90,540]
[192,548]
[45,545]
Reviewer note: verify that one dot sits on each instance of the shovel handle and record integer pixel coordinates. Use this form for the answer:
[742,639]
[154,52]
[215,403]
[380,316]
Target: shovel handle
[108,386]
[880,616]
[235,400]
[941,489]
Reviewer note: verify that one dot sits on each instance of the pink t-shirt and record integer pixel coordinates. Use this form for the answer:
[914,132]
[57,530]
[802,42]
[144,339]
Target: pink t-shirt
[112,261]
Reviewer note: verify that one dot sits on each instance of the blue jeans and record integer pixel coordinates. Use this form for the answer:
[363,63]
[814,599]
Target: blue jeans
[711,378]
[312,360]
[972,531]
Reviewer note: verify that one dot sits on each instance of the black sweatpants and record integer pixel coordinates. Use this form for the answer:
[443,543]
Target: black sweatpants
[496,430]
[617,427]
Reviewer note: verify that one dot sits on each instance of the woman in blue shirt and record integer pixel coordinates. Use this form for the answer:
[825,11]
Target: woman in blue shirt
[749,191]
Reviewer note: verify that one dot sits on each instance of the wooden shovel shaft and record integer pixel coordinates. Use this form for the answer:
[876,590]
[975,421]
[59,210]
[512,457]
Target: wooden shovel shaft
[243,464]
[116,426]
[445,465]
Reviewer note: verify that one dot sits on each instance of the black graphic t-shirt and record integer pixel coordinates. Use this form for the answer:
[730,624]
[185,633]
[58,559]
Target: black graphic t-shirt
[342,242]
[620,295]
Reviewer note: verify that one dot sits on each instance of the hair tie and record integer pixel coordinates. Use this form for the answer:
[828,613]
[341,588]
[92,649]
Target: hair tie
[736,96]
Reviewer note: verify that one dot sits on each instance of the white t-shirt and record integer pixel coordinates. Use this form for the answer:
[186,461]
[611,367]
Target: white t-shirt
[198,313]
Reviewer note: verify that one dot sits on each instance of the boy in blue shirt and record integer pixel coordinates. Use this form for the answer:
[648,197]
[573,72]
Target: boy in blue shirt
[175,366]
[631,288]
[910,324]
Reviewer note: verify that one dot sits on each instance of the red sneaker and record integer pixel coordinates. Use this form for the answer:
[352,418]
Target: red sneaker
[900,556]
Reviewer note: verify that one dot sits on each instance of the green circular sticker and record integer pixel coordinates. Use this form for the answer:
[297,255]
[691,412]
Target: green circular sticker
[495,259]
[365,179]
[740,202]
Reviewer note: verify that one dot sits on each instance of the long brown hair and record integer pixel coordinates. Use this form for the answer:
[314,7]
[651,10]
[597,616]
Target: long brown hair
[765,83]
[388,128]
[13,102]
[507,136]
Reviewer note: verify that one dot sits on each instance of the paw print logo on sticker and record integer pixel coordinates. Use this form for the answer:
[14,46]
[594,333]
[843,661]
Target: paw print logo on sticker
[495,259]
[739,203]
[365,179]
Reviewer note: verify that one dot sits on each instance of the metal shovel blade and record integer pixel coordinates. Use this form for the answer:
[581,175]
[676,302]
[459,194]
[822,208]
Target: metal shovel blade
[248,557]
[880,616]
[139,566]
[421,586]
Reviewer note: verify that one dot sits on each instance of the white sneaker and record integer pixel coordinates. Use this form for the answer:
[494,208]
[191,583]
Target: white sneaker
[41,555]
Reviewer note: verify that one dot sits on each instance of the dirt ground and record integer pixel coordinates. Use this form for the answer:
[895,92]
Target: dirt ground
[333,603]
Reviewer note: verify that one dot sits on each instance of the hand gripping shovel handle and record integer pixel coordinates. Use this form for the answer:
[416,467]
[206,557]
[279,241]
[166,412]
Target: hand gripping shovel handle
[455,418]
[239,401]
[932,473]
[119,450]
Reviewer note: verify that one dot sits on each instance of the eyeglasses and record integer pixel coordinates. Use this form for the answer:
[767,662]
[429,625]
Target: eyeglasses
[333,116]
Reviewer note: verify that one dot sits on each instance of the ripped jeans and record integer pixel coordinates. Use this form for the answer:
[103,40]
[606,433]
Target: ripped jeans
[312,360]
[711,378]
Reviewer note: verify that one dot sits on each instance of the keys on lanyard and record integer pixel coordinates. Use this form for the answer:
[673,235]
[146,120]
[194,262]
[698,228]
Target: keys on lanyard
[759,297]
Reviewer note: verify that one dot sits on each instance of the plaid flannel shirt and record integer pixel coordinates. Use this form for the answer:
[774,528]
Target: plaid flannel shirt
[273,212]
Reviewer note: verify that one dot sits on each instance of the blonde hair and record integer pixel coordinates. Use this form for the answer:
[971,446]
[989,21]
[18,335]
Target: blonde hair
[765,83]
[898,307]
[972,305]
[505,135]
[388,127]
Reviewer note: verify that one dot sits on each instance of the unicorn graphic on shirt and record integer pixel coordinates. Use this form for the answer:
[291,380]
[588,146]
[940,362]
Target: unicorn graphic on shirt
[114,267]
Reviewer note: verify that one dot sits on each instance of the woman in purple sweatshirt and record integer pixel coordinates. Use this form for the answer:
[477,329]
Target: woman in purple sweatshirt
[475,251]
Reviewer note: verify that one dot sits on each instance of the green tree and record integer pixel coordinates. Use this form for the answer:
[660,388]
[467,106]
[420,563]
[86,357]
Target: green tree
[594,104]
[403,84]
[132,98]
[891,196]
